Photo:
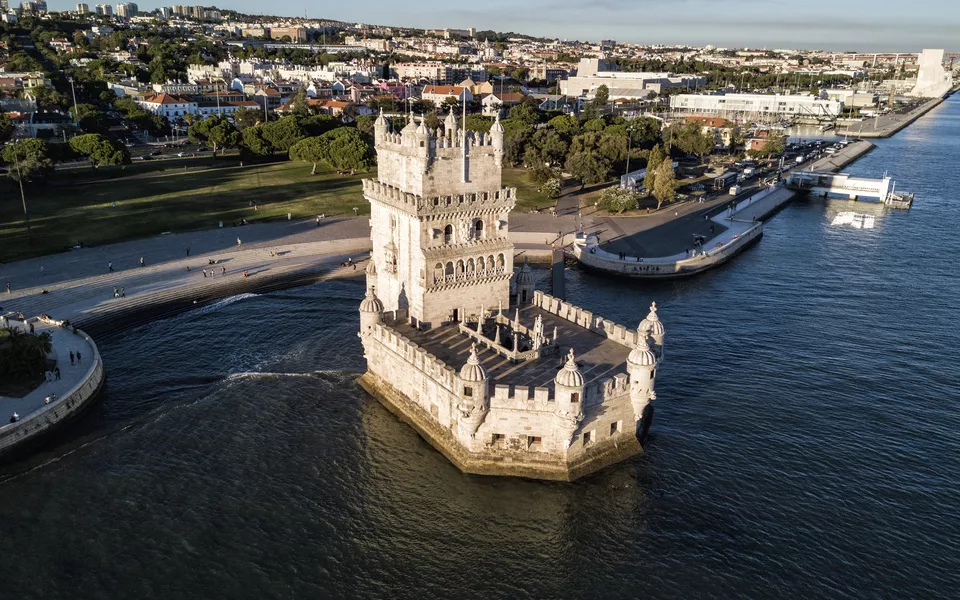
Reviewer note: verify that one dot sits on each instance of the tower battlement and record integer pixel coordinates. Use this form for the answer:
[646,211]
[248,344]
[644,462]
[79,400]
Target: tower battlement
[429,163]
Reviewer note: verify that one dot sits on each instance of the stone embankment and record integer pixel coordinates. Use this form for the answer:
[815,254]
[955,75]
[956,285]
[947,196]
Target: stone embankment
[887,125]
[741,225]
[58,401]
[842,158]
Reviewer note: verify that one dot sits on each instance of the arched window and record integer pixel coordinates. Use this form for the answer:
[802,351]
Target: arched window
[490,263]
[459,267]
[481,265]
[500,262]
[470,266]
[478,229]
[448,234]
[449,270]
[438,271]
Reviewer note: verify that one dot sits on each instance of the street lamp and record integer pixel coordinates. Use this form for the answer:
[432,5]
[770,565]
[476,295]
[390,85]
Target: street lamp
[73,92]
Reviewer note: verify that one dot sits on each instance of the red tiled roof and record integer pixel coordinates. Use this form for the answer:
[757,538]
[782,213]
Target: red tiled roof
[446,90]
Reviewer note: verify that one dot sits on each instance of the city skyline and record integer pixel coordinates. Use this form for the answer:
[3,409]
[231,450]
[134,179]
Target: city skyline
[860,25]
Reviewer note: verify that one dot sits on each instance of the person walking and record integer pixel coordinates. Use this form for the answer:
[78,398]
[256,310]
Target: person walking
[8,288]
[188,250]
[223,270]
[239,243]
[71,357]
[110,267]
[116,292]
[142,264]
[56,372]
[204,273]
[123,292]
[78,357]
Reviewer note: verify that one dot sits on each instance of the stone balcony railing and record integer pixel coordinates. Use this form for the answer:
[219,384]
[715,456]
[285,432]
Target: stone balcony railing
[466,277]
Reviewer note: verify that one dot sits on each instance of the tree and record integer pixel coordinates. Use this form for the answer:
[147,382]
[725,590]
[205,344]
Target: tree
[347,150]
[586,167]
[6,127]
[312,150]
[644,131]
[524,113]
[246,117]
[27,159]
[300,108]
[100,150]
[664,188]
[319,125]
[254,142]
[656,157]
[552,187]
[216,131]
[283,133]
[349,112]
[478,123]
[89,118]
[565,125]
[22,356]
[548,147]
[596,125]
[365,124]
[617,200]
[601,96]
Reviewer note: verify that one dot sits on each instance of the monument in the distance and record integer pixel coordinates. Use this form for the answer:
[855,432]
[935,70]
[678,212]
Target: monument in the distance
[501,383]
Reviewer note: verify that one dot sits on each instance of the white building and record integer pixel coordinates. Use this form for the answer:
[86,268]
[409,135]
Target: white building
[592,73]
[502,382]
[83,9]
[169,106]
[438,93]
[127,10]
[755,105]
[105,9]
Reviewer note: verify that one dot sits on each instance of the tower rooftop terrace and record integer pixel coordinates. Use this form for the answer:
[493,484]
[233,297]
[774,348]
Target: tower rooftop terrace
[598,356]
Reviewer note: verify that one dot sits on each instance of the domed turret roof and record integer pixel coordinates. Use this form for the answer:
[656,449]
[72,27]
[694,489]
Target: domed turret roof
[569,375]
[371,304]
[450,123]
[525,276]
[382,120]
[473,371]
[422,129]
[652,323]
[410,127]
[497,126]
[371,268]
[642,355]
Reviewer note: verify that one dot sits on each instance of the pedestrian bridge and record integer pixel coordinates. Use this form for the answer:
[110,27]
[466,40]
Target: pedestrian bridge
[840,184]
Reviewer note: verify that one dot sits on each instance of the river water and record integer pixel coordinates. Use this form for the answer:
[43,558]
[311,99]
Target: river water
[806,441]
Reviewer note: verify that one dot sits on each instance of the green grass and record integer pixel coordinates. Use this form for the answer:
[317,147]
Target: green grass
[153,197]
[73,208]
[528,196]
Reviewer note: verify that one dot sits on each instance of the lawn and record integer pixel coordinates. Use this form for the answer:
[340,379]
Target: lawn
[69,210]
[149,198]
[528,196]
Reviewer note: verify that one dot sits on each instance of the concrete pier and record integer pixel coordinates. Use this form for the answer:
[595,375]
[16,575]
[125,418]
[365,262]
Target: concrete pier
[886,125]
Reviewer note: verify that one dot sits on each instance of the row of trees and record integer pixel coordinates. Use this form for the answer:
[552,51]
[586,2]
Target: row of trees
[33,158]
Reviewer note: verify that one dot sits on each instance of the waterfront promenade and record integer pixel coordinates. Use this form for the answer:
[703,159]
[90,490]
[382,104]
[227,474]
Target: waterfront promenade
[886,125]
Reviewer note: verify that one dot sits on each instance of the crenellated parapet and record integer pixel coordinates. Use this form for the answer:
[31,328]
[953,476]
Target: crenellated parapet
[584,318]
[481,203]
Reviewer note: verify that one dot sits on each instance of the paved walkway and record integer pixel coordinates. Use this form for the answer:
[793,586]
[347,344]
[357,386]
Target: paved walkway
[64,341]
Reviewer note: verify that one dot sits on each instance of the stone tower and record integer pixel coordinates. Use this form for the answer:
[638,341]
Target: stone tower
[439,221]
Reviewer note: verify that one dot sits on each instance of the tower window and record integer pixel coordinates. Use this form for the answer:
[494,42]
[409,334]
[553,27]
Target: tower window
[615,428]
[448,234]
[587,438]
[534,442]
[468,391]
[478,229]
[575,397]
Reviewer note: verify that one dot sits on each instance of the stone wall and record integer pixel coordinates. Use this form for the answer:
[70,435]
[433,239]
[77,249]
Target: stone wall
[49,416]
[625,336]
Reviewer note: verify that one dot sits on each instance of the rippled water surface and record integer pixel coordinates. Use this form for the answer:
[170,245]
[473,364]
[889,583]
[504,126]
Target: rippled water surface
[806,442]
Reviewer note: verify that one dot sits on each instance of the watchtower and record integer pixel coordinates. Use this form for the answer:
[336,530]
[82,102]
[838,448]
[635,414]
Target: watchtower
[439,220]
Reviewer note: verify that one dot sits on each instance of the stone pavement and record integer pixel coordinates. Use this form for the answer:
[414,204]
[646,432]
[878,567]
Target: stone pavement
[64,341]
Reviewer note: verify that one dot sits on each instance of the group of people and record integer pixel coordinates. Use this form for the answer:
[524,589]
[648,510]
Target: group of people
[119,292]
[212,272]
